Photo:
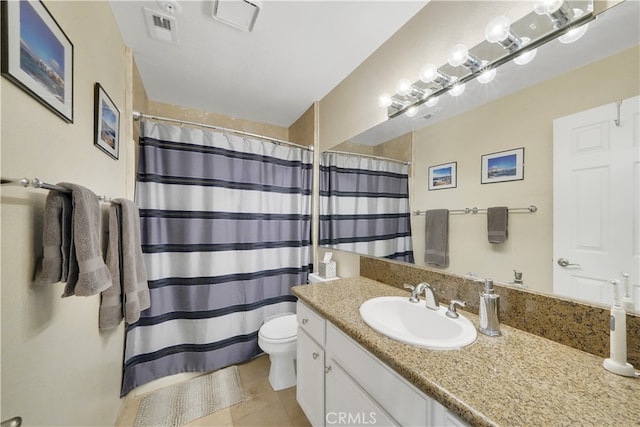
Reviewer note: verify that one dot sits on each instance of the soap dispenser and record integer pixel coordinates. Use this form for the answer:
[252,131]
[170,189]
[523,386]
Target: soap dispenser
[489,321]
[627,300]
[617,361]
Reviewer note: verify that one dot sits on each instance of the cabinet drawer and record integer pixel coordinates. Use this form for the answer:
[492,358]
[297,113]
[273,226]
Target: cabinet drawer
[311,323]
[395,395]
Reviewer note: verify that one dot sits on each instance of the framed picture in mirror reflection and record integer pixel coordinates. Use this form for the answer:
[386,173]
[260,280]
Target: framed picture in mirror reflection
[503,166]
[443,176]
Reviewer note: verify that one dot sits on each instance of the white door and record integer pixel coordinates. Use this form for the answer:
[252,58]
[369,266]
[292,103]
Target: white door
[596,232]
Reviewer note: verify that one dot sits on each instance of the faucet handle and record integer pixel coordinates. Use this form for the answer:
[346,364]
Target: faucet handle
[451,311]
[414,294]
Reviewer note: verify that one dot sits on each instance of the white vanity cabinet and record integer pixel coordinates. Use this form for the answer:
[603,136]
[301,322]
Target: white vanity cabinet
[341,383]
[310,364]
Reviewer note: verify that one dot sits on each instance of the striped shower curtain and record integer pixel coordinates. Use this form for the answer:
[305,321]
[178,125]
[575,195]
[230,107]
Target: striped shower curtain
[226,226]
[364,206]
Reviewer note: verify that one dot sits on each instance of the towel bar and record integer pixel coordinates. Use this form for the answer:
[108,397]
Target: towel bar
[474,210]
[37,183]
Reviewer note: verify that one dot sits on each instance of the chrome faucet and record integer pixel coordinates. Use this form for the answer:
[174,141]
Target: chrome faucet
[429,296]
[414,293]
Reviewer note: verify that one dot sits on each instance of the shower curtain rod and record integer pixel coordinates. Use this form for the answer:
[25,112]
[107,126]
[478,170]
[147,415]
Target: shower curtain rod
[138,115]
[371,156]
[37,183]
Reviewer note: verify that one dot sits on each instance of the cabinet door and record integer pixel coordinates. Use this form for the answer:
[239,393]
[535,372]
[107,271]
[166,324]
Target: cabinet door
[310,378]
[348,404]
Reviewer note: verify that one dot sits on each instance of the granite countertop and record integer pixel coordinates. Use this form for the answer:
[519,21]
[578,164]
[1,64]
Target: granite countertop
[518,379]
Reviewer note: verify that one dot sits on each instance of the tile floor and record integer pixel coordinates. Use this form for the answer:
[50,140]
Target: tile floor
[262,406]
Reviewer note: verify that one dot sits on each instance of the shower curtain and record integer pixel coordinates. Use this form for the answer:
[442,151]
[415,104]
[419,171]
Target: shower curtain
[364,206]
[226,226]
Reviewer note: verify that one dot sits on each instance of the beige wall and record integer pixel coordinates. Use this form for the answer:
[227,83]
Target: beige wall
[206,117]
[524,119]
[57,368]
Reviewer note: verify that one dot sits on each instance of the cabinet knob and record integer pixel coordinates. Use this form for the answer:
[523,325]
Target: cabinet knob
[305,321]
[315,355]
[327,369]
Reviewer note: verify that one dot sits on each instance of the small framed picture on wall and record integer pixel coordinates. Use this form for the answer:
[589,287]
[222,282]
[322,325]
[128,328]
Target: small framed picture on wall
[503,166]
[106,123]
[37,56]
[443,176]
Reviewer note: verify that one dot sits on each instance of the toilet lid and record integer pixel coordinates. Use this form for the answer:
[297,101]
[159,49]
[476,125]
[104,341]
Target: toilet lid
[280,328]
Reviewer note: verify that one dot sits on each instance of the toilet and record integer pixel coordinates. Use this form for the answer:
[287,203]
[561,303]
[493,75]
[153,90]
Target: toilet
[278,338]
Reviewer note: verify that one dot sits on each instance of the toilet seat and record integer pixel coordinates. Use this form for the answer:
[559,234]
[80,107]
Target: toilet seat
[281,329]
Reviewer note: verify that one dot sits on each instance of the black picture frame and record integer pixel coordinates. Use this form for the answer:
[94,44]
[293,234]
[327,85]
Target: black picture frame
[37,55]
[443,176]
[106,123]
[502,166]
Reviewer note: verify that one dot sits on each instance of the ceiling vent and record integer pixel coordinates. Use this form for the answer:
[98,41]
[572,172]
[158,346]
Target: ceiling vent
[161,27]
[241,14]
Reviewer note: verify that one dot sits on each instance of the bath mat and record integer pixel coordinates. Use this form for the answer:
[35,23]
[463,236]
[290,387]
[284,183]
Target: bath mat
[182,403]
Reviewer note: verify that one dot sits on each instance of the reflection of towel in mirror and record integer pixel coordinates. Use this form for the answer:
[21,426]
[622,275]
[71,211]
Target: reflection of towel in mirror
[497,224]
[56,239]
[93,275]
[126,264]
[436,251]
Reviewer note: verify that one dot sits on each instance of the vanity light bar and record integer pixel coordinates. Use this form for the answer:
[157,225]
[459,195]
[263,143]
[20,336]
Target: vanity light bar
[395,110]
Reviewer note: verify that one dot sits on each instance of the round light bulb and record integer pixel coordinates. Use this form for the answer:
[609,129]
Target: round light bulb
[432,102]
[487,76]
[411,111]
[457,89]
[498,29]
[575,33]
[384,101]
[551,6]
[458,55]
[403,88]
[526,57]
[428,73]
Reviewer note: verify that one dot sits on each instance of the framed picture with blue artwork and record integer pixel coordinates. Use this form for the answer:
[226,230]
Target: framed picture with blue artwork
[37,56]
[503,166]
[443,176]
[106,123]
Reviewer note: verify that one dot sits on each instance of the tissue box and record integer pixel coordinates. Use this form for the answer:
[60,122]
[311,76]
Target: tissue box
[327,270]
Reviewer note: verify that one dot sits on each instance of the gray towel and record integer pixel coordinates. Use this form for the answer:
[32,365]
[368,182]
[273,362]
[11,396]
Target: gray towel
[497,224]
[126,263]
[93,275]
[111,298]
[56,239]
[436,249]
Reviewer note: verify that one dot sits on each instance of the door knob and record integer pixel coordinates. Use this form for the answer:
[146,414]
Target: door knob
[563,262]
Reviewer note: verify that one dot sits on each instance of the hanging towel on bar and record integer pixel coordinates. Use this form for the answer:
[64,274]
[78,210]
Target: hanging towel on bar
[126,264]
[436,251]
[56,239]
[497,224]
[93,276]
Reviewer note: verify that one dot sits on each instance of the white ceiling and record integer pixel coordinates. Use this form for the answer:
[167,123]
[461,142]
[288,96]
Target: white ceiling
[297,53]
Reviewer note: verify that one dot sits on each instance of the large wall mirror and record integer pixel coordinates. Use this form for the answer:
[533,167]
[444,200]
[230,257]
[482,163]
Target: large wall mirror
[518,110]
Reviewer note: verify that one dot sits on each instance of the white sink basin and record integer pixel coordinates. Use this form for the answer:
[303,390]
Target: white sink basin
[415,324]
